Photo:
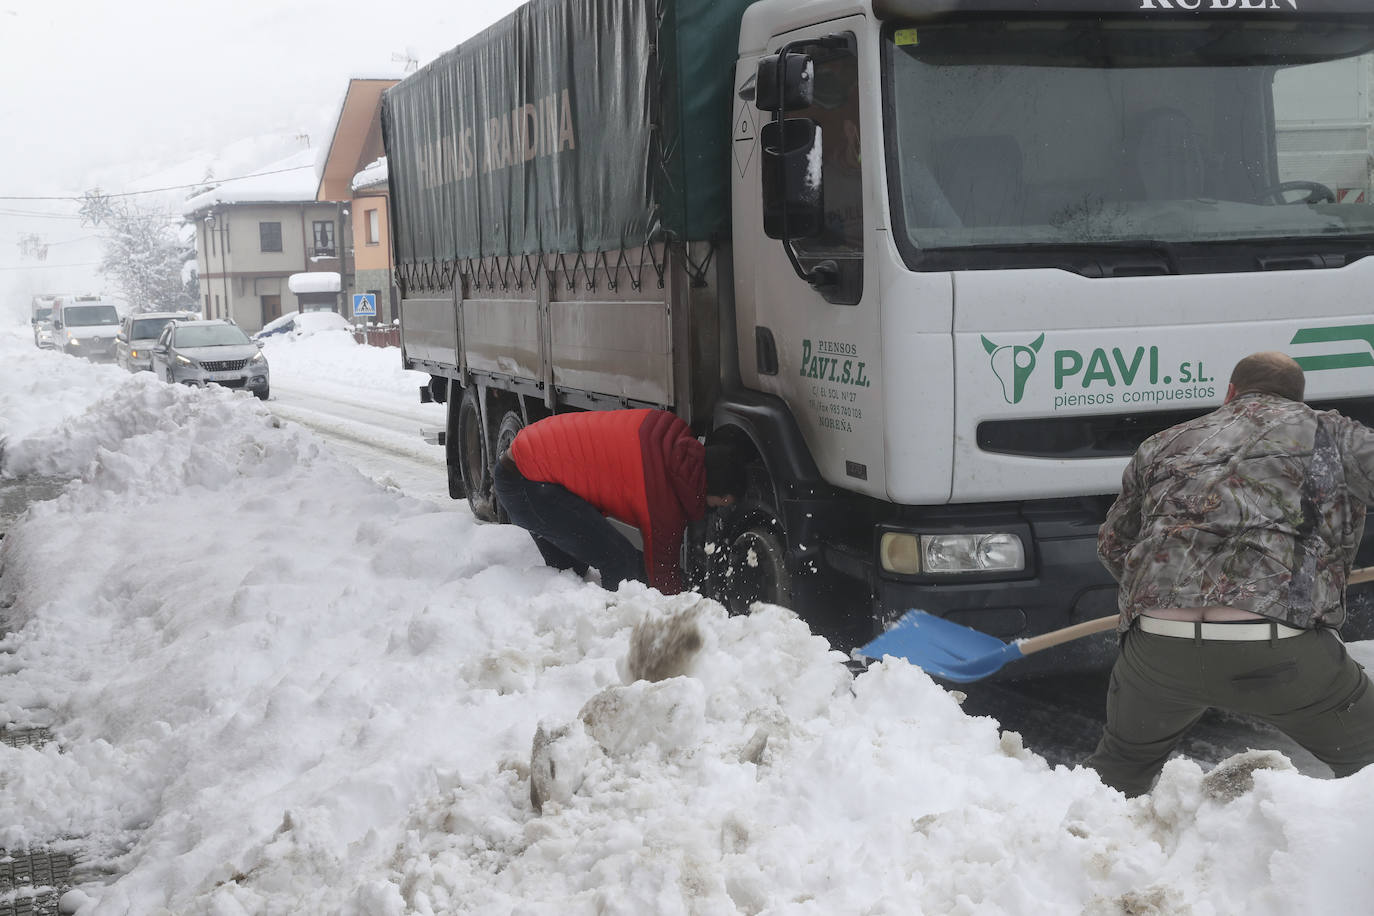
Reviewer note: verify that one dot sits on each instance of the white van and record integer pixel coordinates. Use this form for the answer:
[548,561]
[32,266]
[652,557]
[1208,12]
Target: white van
[86,326]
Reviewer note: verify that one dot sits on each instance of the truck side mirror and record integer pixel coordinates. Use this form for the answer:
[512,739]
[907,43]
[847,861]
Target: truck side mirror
[791,176]
[785,83]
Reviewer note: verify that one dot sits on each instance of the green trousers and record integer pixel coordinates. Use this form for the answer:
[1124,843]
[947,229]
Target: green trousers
[1307,686]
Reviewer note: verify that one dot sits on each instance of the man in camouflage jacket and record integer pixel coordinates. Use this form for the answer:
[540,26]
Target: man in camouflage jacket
[1231,541]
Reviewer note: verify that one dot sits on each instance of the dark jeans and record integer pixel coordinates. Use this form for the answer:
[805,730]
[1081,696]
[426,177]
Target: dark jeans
[570,532]
[1307,686]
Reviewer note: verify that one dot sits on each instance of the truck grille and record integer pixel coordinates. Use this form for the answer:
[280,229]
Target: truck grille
[224,365]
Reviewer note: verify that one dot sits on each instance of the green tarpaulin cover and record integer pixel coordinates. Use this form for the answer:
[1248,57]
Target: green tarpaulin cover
[569,126]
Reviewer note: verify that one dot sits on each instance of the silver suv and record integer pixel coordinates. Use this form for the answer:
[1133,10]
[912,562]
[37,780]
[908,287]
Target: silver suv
[137,334]
[210,353]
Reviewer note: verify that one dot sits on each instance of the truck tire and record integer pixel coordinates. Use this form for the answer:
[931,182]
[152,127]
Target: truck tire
[757,569]
[511,424]
[472,459]
[452,452]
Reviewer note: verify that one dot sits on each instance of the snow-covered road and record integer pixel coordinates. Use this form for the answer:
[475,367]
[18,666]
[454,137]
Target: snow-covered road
[376,432]
[273,686]
[379,432]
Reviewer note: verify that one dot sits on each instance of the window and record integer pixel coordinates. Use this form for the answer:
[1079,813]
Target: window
[324,240]
[207,305]
[836,112]
[217,294]
[270,236]
[374,227]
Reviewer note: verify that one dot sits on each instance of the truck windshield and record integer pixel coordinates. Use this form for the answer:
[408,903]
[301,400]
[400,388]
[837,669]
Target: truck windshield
[1014,138]
[89,316]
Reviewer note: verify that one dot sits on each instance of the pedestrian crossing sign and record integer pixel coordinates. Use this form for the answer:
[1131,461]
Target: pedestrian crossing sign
[364,305]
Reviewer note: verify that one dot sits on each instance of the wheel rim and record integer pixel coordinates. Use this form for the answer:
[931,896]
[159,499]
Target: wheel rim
[755,571]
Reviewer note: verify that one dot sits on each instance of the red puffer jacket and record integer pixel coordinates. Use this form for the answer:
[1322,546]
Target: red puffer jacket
[640,467]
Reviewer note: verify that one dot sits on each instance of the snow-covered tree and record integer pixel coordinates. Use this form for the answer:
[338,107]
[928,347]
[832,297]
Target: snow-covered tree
[145,257]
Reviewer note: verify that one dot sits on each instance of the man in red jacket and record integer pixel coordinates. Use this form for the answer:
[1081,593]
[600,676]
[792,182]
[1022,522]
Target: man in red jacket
[564,474]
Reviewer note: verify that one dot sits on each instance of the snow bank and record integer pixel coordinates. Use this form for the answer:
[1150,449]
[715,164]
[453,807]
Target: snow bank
[277,687]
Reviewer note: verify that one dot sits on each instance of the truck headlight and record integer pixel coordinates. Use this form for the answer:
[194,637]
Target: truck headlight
[912,554]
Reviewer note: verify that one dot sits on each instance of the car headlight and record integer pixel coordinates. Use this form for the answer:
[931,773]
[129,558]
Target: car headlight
[73,341]
[913,554]
[133,354]
[258,358]
[185,360]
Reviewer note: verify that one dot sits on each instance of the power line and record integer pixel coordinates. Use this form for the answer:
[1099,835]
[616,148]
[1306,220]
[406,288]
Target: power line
[211,183]
[51,266]
[7,211]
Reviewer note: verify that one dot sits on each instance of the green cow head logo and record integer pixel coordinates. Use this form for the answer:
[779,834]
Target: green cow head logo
[1013,364]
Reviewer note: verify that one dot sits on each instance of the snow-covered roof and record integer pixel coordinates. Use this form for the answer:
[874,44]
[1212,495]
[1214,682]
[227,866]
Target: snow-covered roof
[374,175]
[315,281]
[294,178]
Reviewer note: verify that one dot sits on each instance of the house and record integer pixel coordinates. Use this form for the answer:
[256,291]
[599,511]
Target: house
[355,170]
[373,266]
[254,233]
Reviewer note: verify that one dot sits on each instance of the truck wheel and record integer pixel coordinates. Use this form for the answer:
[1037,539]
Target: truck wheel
[472,459]
[757,570]
[452,450]
[511,424]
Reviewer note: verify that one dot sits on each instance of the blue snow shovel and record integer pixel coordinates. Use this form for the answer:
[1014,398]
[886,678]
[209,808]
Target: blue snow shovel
[953,652]
[944,649]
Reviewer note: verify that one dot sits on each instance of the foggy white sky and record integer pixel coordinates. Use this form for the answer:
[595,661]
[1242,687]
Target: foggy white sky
[137,94]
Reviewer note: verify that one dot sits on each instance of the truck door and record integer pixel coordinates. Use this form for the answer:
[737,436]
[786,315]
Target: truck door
[807,304]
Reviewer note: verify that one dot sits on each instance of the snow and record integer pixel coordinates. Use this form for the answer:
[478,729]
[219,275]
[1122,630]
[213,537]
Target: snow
[373,175]
[300,324]
[277,686]
[294,178]
[319,281]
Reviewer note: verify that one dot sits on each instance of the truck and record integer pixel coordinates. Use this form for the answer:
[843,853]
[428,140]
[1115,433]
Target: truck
[934,267]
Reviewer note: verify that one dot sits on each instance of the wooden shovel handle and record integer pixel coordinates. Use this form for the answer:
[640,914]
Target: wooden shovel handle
[1089,627]
[1067,634]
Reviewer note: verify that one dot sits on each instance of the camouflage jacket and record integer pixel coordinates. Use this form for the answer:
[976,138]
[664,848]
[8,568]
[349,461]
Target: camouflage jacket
[1257,505]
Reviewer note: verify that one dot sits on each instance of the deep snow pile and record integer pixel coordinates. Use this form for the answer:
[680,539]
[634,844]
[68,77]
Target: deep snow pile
[277,687]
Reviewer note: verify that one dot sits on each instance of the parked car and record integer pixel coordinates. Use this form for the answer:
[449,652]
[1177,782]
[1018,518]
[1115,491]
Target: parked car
[138,333]
[303,324]
[85,326]
[214,352]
